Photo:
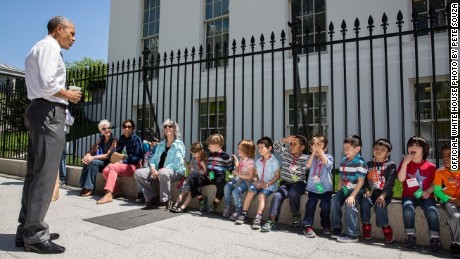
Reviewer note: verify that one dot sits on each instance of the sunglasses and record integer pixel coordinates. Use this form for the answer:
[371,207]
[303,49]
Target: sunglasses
[168,126]
[104,129]
[126,127]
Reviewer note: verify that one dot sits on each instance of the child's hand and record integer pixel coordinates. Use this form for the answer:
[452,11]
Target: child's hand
[235,160]
[426,195]
[350,201]
[380,202]
[408,158]
[367,194]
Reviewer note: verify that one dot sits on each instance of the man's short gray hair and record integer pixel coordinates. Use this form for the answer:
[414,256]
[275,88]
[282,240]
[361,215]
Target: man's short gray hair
[56,21]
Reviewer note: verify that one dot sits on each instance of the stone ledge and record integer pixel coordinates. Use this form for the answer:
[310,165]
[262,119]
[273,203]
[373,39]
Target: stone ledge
[129,189]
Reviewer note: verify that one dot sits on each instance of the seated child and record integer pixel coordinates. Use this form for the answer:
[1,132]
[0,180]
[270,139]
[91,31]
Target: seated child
[450,197]
[242,178]
[197,168]
[378,190]
[268,173]
[417,175]
[218,164]
[293,174]
[352,171]
[319,186]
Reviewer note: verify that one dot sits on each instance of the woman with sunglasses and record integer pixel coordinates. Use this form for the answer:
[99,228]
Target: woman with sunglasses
[97,158]
[166,166]
[131,145]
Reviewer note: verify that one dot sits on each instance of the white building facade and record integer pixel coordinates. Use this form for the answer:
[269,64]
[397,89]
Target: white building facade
[230,100]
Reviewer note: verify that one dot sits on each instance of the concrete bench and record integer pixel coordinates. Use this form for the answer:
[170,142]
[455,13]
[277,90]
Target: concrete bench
[129,188]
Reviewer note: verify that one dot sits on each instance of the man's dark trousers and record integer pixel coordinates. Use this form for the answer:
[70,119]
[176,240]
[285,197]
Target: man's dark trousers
[45,124]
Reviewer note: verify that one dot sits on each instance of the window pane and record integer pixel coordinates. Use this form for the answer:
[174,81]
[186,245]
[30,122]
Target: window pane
[146,16]
[225,9]
[209,11]
[225,26]
[211,28]
[217,8]
[320,6]
[296,8]
[307,7]
[438,4]
[419,5]
[157,13]
[320,19]
[218,27]
[308,22]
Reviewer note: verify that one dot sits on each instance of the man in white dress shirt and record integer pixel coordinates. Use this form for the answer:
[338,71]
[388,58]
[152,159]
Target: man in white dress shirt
[44,120]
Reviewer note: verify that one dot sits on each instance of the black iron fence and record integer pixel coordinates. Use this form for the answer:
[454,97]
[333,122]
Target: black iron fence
[386,80]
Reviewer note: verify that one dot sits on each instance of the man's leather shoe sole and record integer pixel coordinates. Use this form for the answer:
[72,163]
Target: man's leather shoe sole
[45,247]
[20,241]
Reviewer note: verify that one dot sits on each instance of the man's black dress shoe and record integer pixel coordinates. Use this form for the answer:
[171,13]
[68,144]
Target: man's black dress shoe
[45,247]
[20,241]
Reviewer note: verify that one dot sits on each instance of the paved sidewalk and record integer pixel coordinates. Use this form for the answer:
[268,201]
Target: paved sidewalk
[187,236]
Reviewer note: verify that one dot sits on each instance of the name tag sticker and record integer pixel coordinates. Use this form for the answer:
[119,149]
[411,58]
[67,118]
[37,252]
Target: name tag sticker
[412,182]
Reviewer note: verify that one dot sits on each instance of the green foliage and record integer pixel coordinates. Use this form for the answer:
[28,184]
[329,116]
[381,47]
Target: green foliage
[88,74]
[13,105]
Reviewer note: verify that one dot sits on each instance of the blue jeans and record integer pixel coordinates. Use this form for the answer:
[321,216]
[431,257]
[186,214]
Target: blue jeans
[293,191]
[310,209]
[233,190]
[89,172]
[256,191]
[351,213]
[381,213]
[429,208]
[62,167]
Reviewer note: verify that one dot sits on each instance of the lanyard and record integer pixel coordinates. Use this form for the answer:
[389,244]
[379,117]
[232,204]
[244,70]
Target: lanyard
[318,165]
[263,168]
[240,165]
[381,168]
[200,167]
[295,159]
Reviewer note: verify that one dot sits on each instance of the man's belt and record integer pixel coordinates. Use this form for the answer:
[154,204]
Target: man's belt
[63,106]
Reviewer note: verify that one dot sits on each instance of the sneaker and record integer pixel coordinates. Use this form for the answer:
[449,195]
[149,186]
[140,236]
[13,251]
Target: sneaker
[388,235]
[242,219]
[327,231]
[336,232]
[455,250]
[435,244]
[234,216]
[367,231]
[204,204]
[269,226]
[256,223]
[410,241]
[228,211]
[296,220]
[344,238]
[140,198]
[308,232]
[212,208]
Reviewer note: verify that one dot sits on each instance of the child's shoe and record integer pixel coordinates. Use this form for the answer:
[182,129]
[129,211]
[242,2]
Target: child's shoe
[388,234]
[308,232]
[228,211]
[269,226]
[241,219]
[435,244]
[213,207]
[455,250]
[367,231]
[327,231]
[336,232]
[296,220]
[234,216]
[204,204]
[411,241]
[256,223]
[344,238]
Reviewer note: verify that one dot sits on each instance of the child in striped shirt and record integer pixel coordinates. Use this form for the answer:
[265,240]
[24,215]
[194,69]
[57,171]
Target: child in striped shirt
[293,176]
[352,171]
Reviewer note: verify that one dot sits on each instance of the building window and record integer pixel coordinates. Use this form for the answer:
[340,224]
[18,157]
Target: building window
[423,8]
[151,28]
[149,123]
[312,112]
[214,122]
[311,13]
[217,28]
[427,122]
